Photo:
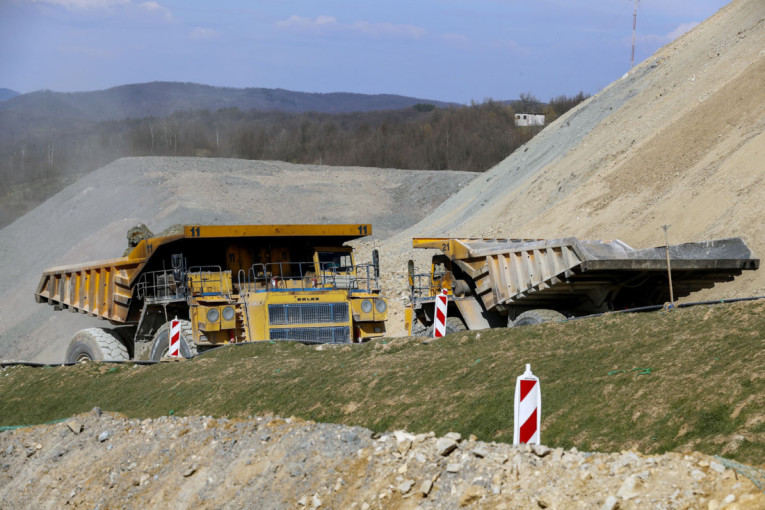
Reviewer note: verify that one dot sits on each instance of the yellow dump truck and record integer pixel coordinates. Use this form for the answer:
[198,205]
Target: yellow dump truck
[226,284]
[516,282]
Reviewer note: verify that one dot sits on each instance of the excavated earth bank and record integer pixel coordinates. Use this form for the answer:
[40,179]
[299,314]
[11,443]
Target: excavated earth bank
[679,140]
[108,461]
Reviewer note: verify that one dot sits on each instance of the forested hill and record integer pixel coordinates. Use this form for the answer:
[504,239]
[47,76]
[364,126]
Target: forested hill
[160,99]
[49,139]
[7,94]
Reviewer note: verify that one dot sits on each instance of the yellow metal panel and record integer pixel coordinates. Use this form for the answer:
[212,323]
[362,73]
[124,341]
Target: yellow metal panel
[408,320]
[367,330]
[201,314]
[372,316]
[452,248]
[351,231]
[210,282]
[331,296]
[256,316]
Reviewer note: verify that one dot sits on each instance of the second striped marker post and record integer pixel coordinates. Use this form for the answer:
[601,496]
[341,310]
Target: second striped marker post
[528,409]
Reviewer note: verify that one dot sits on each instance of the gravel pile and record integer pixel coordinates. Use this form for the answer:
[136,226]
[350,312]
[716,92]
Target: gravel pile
[100,460]
[648,150]
[90,219]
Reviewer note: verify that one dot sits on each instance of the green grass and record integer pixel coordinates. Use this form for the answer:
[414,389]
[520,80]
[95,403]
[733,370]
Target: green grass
[689,379]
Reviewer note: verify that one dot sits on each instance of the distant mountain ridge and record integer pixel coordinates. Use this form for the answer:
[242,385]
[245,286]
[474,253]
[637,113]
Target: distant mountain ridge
[160,99]
[7,94]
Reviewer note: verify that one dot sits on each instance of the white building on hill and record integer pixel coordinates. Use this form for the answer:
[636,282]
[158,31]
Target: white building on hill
[529,119]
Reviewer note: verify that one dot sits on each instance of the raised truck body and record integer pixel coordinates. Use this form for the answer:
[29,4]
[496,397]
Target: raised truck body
[513,282]
[226,284]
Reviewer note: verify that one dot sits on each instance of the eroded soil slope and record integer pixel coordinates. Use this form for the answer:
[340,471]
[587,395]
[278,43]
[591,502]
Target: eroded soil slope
[679,140]
[106,461]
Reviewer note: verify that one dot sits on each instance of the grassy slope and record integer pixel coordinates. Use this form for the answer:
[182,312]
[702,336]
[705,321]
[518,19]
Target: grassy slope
[705,390]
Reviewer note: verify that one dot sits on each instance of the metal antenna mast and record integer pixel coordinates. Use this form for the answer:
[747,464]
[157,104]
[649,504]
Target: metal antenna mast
[634,24]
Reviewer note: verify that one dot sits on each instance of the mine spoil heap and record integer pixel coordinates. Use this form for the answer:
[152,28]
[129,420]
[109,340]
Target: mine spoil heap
[105,460]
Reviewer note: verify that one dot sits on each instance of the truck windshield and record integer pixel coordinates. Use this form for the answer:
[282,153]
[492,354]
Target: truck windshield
[337,261]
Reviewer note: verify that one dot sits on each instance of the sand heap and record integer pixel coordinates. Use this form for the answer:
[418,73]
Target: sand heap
[678,140]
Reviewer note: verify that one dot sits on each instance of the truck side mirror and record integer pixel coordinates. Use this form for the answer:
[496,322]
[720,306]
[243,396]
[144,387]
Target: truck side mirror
[376,262]
[410,266]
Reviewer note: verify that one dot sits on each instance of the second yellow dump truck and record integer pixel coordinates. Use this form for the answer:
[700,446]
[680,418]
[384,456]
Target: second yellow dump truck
[226,284]
[516,282]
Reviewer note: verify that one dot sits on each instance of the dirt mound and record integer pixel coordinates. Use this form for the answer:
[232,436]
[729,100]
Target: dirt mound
[105,461]
[678,140]
[89,221]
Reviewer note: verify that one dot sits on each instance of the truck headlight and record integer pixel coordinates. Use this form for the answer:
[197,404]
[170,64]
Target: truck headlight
[213,315]
[366,306]
[381,305]
[228,313]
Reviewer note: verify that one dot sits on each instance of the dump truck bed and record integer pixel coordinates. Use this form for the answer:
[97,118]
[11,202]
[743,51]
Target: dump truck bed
[540,273]
[106,288]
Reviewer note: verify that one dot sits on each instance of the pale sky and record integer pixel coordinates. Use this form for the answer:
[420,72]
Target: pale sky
[449,50]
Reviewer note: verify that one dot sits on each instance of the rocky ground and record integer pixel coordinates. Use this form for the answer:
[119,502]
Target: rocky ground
[104,460]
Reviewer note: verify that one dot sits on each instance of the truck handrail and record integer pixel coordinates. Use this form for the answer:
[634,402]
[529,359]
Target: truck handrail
[162,286]
[276,276]
[423,287]
[241,282]
[363,278]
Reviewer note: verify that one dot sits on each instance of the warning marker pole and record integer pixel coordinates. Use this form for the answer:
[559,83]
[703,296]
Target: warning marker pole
[174,349]
[528,409]
[439,325]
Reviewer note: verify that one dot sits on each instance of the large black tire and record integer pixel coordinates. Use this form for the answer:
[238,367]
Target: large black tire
[453,325]
[161,342]
[96,344]
[537,317]
[418,328]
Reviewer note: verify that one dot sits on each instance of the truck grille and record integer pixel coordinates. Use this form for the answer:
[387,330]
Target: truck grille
[307,313]
[321,335]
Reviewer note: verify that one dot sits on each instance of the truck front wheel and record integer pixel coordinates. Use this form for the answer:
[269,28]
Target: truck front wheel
[96,344]
[161,344]
[536,317]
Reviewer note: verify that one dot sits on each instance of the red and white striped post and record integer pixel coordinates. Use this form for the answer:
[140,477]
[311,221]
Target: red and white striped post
[439,325]
[528,409]
[174,349]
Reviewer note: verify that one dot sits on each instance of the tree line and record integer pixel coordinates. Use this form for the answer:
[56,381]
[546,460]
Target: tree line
[470,138]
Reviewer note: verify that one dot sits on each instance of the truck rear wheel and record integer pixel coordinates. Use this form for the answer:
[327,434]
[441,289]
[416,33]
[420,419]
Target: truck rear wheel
[96,344]
[418,328]
[536,317]
[161,344]
[453,325]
